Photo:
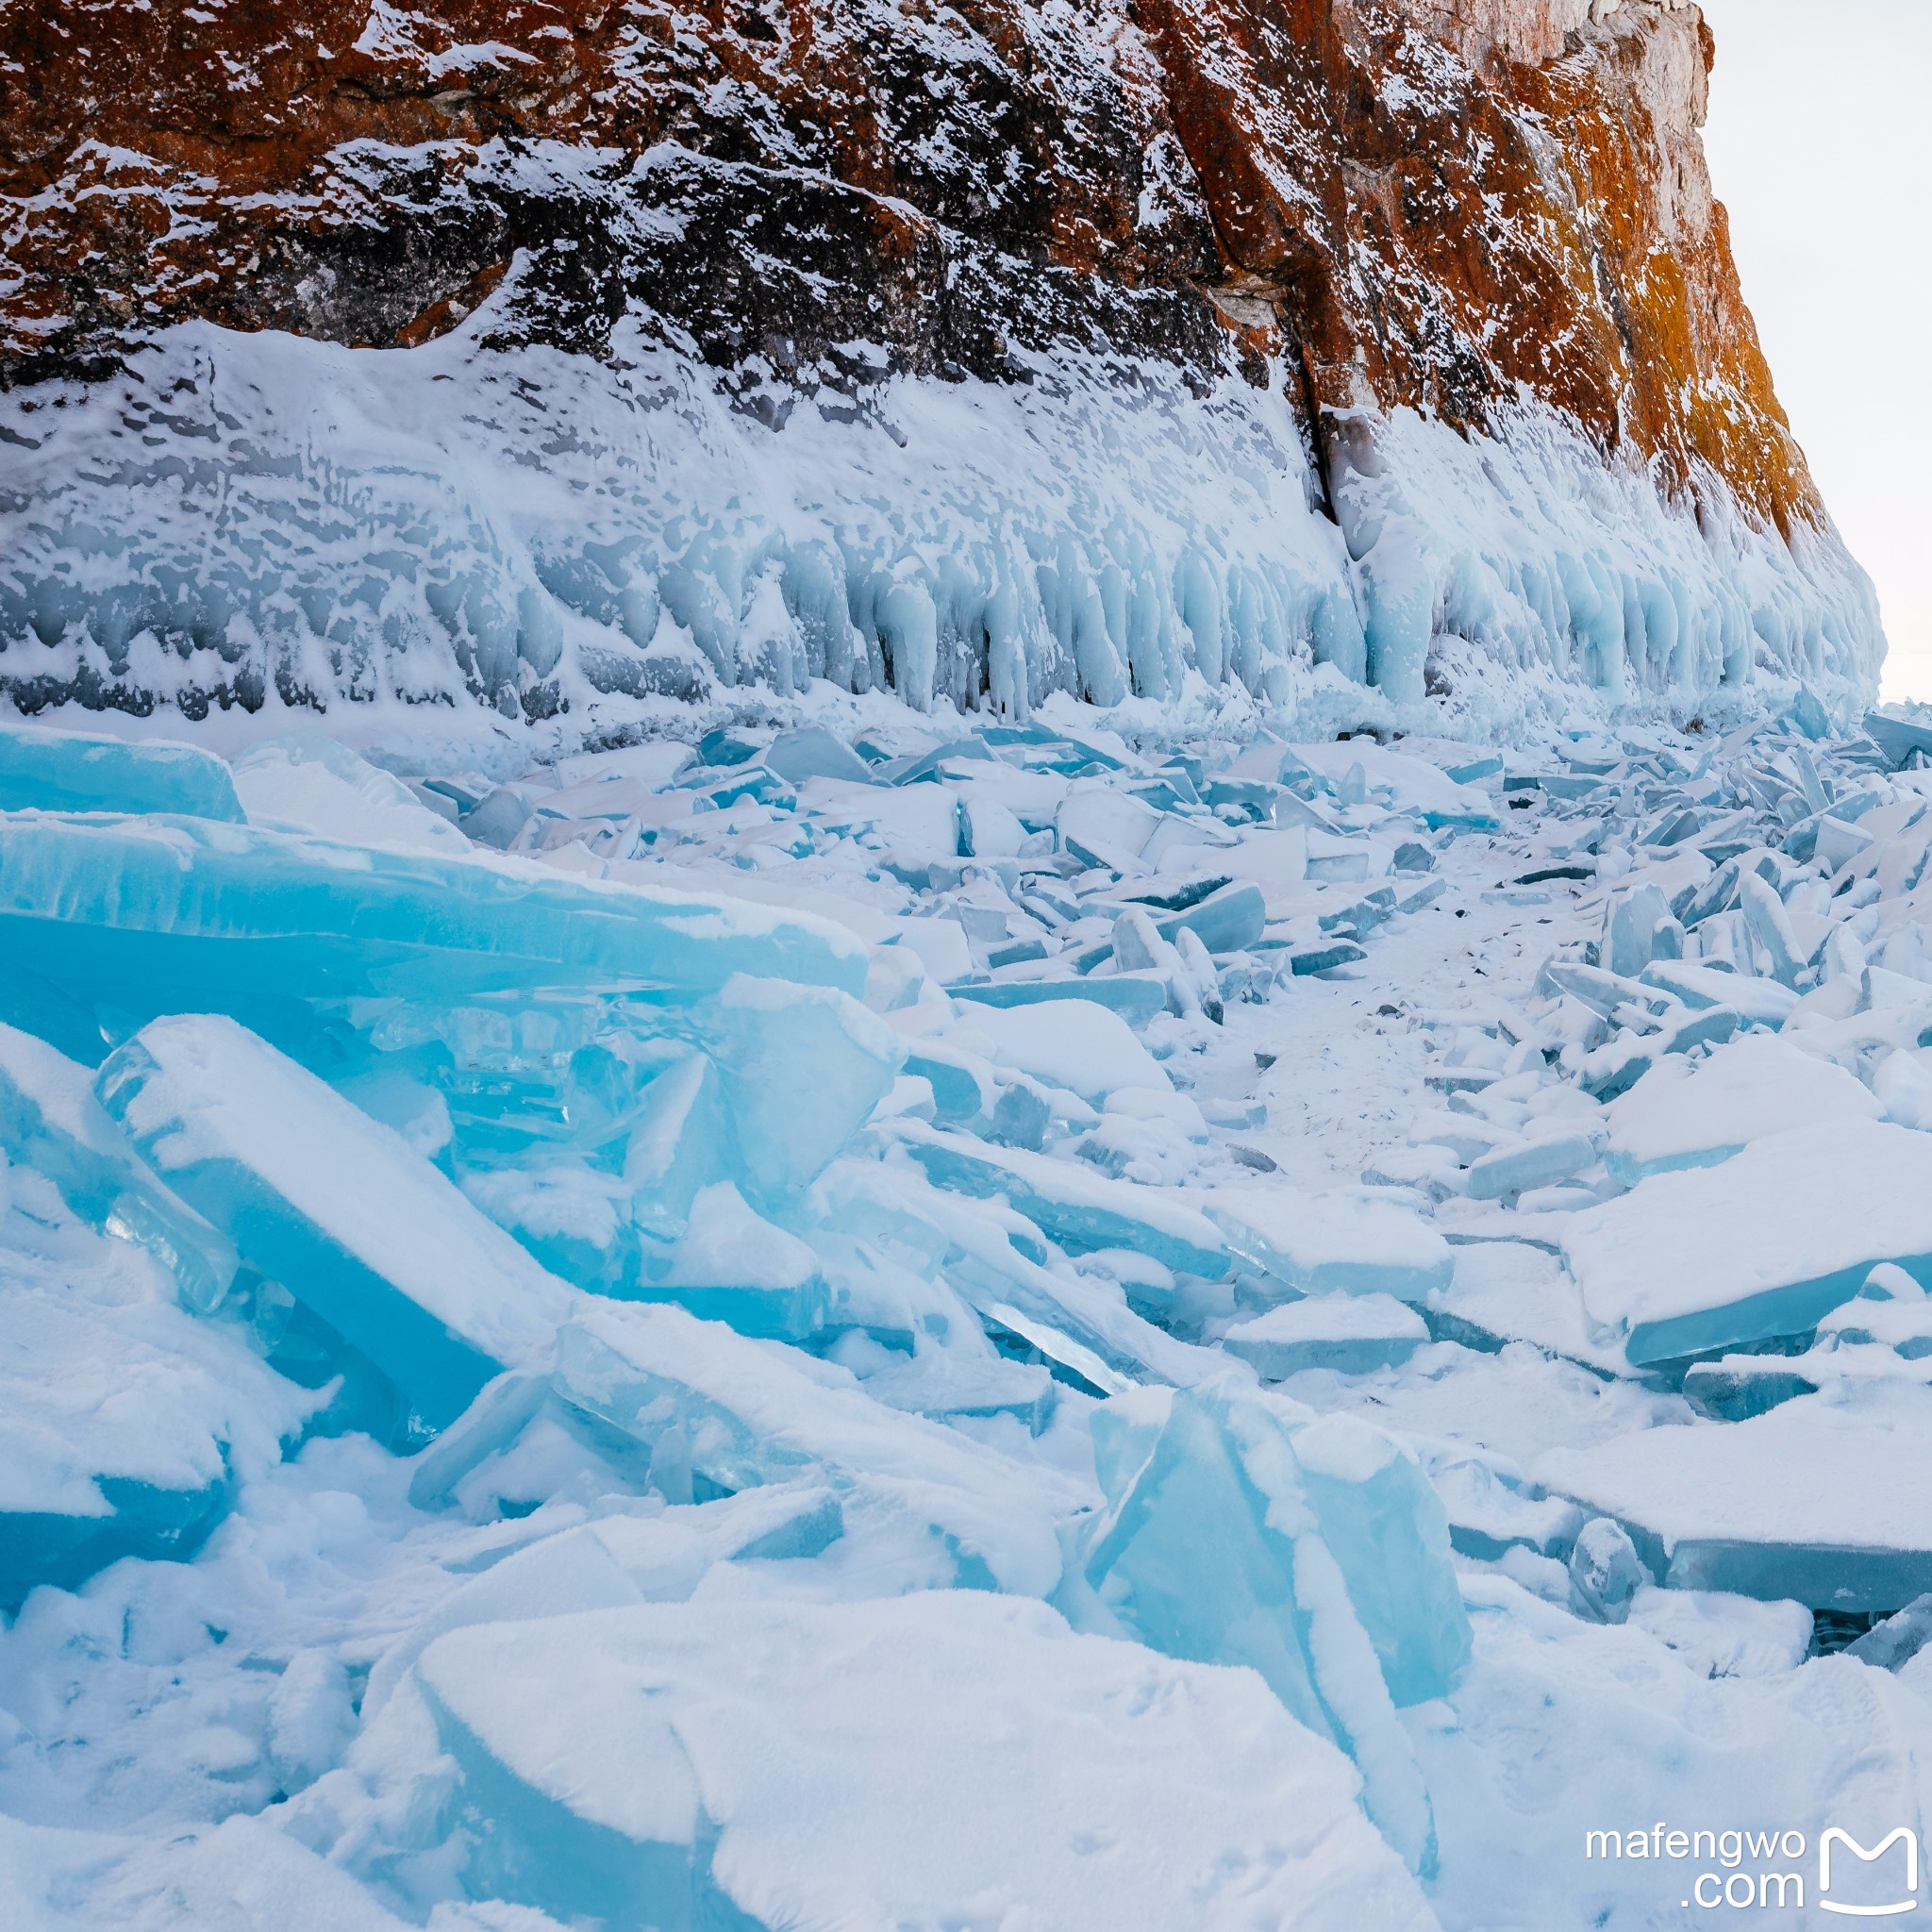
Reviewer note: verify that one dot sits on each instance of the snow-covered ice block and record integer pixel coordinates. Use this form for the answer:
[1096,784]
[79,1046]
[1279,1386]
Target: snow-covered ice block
[67,770]
[1827,1504]
[1081,1210]
[941,1385]
[1527,1164]
[1136,997]
[1351,1334]
[748,1764]
[178,913]
[1212,1548]
[744,1413]
[1719,1634]
[802,1068]
[236,1875]
[1605,1571]
[1406,784]
[52,1122]
[1762,1246]
[122,1425]
[1683,1115]
[1764,1002]
[307,782]
[1349,1240]
[1077,1045]
[335,1207]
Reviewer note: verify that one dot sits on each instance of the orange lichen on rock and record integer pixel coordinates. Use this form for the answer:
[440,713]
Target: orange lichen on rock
[1457,205]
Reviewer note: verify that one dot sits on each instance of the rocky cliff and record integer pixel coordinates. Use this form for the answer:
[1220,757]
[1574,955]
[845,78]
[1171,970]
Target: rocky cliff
[569,358]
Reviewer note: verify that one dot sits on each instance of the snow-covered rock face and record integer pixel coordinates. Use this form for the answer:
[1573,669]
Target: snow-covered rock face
[565,365]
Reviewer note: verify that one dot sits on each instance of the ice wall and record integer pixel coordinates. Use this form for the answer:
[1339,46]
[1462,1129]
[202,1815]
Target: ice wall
[260,520]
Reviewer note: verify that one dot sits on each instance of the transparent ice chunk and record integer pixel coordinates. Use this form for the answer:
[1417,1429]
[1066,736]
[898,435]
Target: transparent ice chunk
[172,914]
[41,770]
[52,1122]
[364,1233]
[1211,1548]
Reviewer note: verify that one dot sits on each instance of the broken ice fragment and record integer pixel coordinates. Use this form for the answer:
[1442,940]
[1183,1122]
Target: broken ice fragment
[942,1385]
[1604,1573]
[750,1417]
[335,1207]
[1347,1240]
[1898,1638]
[50,1120]
[680,1140]
[65,771]
[1759,1247]
[306,782]
[1080,1210]
[1351,1335]
[1383,1522]
[740,1764]
[1828,1505]
[1211,1550]
[731,1266]
[802,1068]
[1537,1163]
[1136,997]
[167,914]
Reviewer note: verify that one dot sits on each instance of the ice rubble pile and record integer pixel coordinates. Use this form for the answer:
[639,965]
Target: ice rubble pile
[565,1176]
[652,1291]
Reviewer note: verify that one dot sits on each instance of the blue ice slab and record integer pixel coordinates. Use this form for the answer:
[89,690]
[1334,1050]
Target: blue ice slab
[732,1267]
[680,1139]
[1387,1529]
[1896,739]
[1825,1503]
[171,913]
[1760,1247]
[1351,1335]
[1211,1549]
[1080,1210]
[1229,921]
[51,1121]
[801,1069]
[154,1524]
[362,1231]
[123,1421]
[1528,1164]
[812,752]
[1136,997]
[62,770]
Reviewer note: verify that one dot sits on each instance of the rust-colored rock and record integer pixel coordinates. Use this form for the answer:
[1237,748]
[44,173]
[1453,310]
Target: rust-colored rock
[1451,206]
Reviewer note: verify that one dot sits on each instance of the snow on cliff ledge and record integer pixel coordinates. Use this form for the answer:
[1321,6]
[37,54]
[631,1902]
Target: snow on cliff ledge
[1379,362]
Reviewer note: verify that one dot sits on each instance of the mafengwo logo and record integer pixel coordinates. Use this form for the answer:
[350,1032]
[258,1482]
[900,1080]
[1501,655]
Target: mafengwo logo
[1756,1871]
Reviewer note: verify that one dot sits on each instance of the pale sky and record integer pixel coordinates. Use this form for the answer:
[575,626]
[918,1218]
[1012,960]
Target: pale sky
[1818,144]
